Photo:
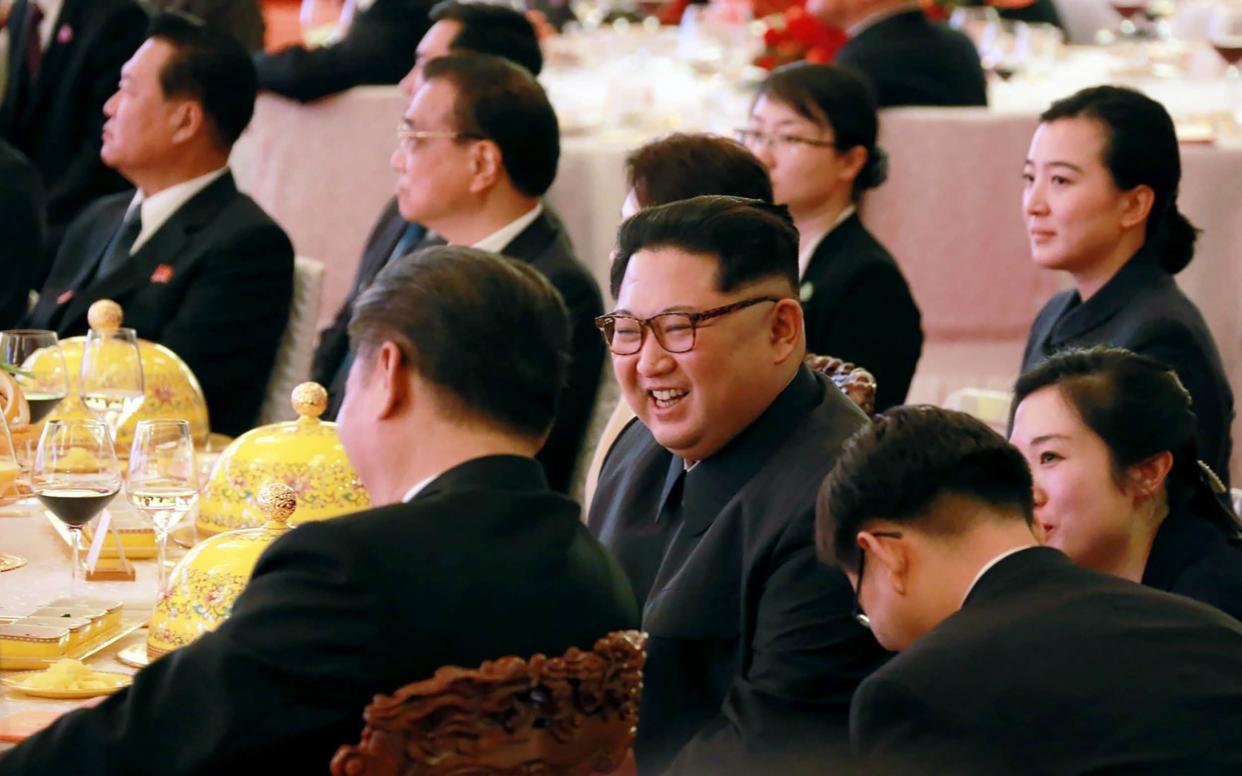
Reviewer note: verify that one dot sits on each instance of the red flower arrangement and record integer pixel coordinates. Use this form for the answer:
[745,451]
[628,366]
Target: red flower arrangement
[793,34]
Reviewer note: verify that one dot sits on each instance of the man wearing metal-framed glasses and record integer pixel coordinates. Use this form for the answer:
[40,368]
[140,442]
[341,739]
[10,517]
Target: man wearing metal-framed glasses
[708,501]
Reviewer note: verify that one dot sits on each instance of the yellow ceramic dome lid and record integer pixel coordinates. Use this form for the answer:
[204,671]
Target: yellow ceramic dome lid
[172,391]
[207,581]
[306,454]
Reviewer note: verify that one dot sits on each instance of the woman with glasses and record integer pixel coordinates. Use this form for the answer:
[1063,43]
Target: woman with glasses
[1100,203]
[814,127]
[1110,439]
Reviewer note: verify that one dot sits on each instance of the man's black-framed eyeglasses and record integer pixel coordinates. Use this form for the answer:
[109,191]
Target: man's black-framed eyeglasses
[624,334]
[859,615]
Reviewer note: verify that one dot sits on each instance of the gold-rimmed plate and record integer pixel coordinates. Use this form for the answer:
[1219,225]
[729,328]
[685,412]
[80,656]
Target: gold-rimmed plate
[135,655]
[8,562]
[112,682]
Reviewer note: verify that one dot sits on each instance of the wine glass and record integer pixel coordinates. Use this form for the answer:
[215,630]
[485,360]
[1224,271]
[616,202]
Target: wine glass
[1225,35]
[974,21]
[75,475]
[162,481]
[45,389]
[321,20]
[111,376]
[1127,10]
[9,469]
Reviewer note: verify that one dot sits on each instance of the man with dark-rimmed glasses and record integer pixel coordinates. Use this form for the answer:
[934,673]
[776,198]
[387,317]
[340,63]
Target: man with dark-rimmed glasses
[708,501]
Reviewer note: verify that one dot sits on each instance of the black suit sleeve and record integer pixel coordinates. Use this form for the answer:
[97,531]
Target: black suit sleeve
[791,704]
[894,731]
[876,325]
[378,49]
[242,296]
[560,452]
[21,235]
[271,671]
[86,178]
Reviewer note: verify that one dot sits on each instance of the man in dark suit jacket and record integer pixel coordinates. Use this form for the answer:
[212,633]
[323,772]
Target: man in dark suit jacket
[707,503]
[471,557]
[54,115]
[242,19]
[456,28]
[908,59]
[196,265]
[512,130]
[1012,659]
[21,233]
[378,48]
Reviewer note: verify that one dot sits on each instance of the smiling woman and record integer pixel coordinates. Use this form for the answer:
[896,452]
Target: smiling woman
[1110,439]
[1100,202]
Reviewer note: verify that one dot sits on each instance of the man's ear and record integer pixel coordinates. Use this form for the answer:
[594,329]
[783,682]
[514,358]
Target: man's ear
[393,377]
[785,329]
[889,558]
[188,120]
[487,165]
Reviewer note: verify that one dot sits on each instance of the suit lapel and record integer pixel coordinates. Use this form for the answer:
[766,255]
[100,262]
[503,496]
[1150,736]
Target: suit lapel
[165,246]
[55,55]
[1138,273]
[535,238]
[17,95]
[382,246]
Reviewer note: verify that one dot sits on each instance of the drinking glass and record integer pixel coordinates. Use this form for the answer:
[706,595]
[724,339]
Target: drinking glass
[974,21]
[1127,10]
[1225,35]
[45,389]
[324,20]
[10,488]
[162,481]
[111,376]
[75,475]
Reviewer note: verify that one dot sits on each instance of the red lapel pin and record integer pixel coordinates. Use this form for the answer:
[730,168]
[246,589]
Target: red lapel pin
[65,296]
[64,34]
[162,274]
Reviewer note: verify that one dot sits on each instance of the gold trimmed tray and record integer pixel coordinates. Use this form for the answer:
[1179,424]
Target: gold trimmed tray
[8,561]
[130,622]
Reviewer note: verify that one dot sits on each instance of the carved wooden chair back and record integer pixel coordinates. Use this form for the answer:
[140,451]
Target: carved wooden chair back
[854,381]
[575,714]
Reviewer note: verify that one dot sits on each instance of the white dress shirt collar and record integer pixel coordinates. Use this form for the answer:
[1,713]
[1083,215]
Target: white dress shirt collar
[497,241]
[988,567]
[51,14]
[807,248]
[418,487]
[158,208]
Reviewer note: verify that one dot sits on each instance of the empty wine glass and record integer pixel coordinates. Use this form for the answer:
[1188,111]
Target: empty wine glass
[48,386]
[111,376]
[1127,10]
[75,475]
[162,481]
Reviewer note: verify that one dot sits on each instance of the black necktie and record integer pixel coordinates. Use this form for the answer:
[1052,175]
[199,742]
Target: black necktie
[118,250]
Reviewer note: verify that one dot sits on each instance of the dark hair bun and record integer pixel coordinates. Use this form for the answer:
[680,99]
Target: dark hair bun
[1180,236]
[874,172]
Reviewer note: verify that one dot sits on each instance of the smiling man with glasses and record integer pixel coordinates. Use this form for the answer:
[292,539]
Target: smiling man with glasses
[1013,660]
[708,501]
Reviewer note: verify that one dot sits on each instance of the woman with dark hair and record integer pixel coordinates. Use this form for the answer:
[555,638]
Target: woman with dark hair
[1110,438]
[1100,203]
[815,127]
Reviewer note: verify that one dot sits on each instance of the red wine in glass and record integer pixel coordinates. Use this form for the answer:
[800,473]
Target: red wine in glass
[1230,50]
[1128,8]
[76,505]
[42,404]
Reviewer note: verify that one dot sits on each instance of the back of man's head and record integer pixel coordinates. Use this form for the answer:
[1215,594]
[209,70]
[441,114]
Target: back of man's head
[489,334]
[492,29]
[499,101]
[210,68]
[900,467]
[682,166]
[752,240]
